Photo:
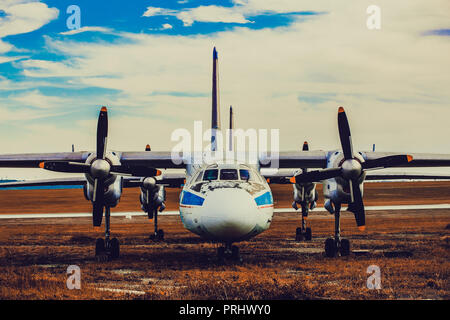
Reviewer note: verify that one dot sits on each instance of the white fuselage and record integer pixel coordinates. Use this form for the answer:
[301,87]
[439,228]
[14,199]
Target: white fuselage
[226,203]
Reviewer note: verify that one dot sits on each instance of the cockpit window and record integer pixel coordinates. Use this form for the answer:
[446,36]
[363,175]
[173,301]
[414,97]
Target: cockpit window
[210,175]
[228,174]
[245,174]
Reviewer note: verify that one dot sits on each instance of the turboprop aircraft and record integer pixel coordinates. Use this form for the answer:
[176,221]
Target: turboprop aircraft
[222,202]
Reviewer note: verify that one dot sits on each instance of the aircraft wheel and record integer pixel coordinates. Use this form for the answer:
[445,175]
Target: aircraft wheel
[330,248]
[160,235]
[298,234]
[115,248]
[345,247]
[308,234]
[99,247]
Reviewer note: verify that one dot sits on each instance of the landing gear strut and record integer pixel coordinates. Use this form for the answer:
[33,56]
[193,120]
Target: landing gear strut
[107,248]
[157,235]
[228,251]
[337,245]
[303,233]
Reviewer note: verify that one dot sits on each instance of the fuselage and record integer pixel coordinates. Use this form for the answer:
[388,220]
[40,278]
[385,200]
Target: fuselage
[226,202]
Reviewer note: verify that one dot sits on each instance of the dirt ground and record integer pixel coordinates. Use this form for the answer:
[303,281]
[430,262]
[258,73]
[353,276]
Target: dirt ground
[410,247]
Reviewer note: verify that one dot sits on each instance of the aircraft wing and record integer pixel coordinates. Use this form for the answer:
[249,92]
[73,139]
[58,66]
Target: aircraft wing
[318,159]
[295,159]
[406,176]
[45,182]
[278,176]
[32,160]
[419,159]
[171,180]
[153,159]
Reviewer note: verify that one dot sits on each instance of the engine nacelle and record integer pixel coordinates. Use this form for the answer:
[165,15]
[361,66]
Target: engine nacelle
[113,183]
[152,198]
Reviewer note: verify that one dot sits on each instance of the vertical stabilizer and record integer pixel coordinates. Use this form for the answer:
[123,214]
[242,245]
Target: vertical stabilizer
[215,119]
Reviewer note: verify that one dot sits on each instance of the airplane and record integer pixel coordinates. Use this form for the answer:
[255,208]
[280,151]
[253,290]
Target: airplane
[222,202]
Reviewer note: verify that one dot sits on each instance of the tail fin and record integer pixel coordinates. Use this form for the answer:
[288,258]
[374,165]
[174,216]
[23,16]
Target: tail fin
[215,120]
[230,140]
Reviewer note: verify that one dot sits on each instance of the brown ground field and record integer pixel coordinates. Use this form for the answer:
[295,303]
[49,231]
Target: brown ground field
[411,247]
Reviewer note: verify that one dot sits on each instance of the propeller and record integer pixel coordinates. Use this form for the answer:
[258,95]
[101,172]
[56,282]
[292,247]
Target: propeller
[100,169]
[351,169]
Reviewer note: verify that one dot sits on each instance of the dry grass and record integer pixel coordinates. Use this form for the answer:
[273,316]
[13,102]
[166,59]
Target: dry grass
[35,253]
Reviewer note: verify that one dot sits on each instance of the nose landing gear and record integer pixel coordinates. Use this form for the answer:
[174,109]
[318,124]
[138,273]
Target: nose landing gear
[303,232]
[107,249]
[337,245]
[228,251]
[158,234]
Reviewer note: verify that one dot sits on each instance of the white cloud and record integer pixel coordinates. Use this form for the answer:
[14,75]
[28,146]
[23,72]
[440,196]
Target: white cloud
[166,26]
[25,17]
[87,29]
[22,16]
[36,99]
[391,82]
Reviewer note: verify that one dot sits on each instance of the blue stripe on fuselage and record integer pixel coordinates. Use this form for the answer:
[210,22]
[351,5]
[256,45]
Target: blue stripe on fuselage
[264,199]
[191,199]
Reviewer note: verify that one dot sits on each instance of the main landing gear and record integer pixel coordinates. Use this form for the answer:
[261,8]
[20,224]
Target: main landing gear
[303,233]
[228,251]
[157,235]
[337,245]
[107,249]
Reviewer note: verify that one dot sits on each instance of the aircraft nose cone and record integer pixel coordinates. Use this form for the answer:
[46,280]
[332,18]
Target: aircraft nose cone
[229,213]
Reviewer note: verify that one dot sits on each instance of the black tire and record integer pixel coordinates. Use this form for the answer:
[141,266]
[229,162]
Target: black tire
[308,234]
[330,248]
[298,234]
[160,235]
[345,247]
[99,247]
[115,248]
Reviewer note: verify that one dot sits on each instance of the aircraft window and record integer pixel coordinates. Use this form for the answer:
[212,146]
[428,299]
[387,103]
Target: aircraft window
[228,174]
[210,174]
[247,175]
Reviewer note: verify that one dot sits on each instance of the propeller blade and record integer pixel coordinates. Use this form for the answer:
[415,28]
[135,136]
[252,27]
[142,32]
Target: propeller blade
[357,206]
[137,171]
[64,166]
[97,214]
[352,196]
[318,175]
[387,162]
[98,201]
[344,134]
[102,133]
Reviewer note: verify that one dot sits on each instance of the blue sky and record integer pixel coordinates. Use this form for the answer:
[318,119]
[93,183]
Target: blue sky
[284,64]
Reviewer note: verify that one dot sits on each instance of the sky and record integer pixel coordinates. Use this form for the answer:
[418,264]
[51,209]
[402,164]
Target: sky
[283,64]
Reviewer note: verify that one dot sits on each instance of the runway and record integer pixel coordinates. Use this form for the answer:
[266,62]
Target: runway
[175,213]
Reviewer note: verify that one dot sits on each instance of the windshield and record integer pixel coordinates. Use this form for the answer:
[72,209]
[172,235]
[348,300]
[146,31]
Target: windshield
[228,174]
[210,175]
